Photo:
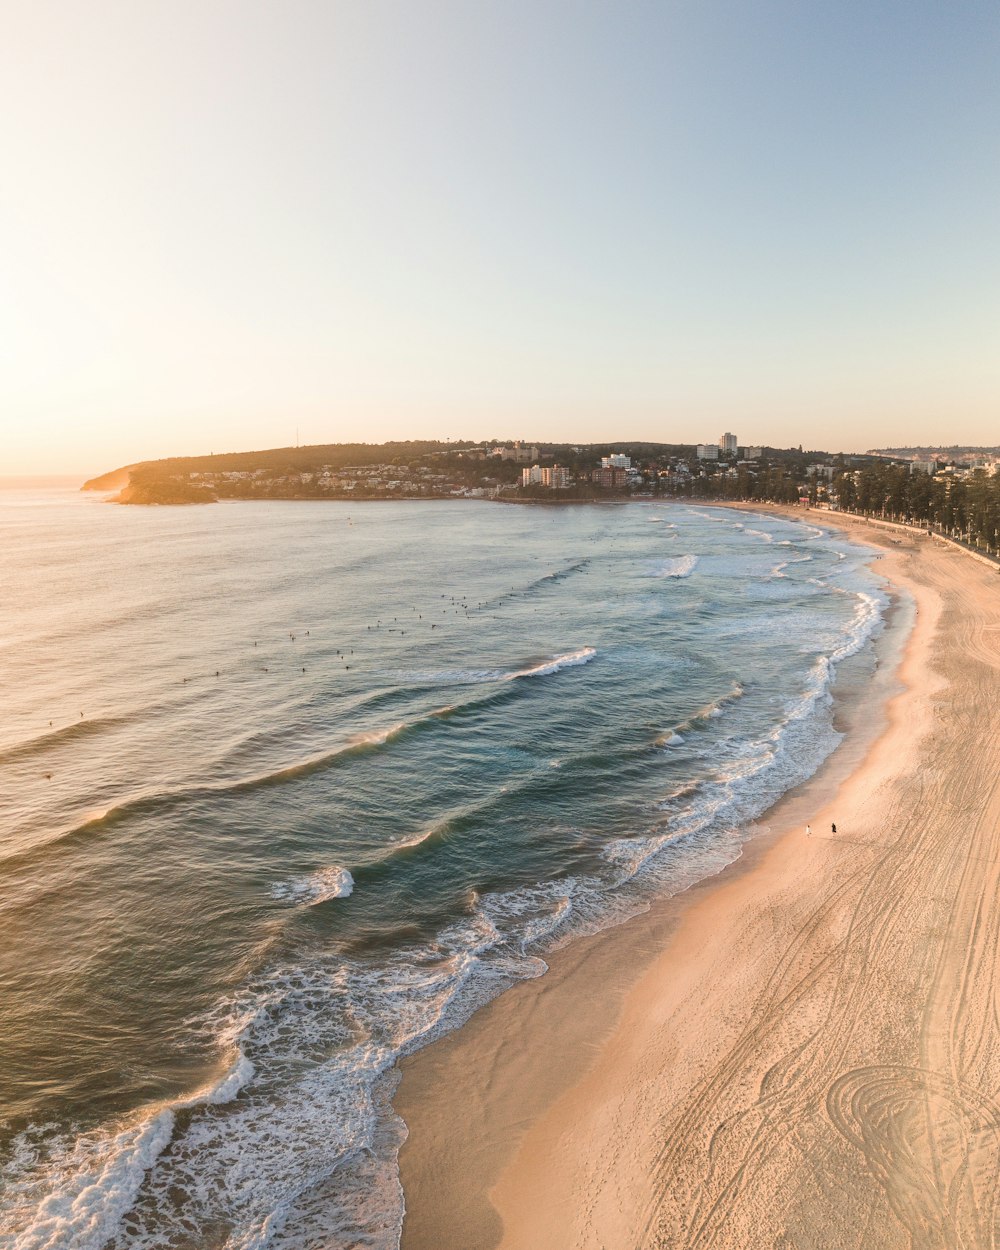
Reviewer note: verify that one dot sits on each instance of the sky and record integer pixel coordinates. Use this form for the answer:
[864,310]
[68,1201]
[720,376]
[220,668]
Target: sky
[232,225]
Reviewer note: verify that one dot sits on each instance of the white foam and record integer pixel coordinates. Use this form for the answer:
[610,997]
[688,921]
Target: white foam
[679,566]
[316,887]
[415,839]
[329,1033]
[531,913]
[95,1184]
[718,706]
[72,1194]
[240,1074]
[307,1154]
[715,708]
[569,660]
[750,774]
[779,568]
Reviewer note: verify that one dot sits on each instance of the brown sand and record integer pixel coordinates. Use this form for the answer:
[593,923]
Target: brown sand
[802,1052]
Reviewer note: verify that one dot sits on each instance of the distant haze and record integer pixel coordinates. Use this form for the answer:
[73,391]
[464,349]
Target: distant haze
[43,481]
[226,225]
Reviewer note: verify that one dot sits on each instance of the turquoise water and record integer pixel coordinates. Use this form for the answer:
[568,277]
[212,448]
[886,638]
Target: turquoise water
[288,789]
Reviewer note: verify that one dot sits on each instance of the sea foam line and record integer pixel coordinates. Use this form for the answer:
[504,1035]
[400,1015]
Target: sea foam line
[325,1034]
[88,1186]
[761,770]
[714,708]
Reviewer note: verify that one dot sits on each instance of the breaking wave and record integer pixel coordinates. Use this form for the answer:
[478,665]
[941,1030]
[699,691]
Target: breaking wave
[680,566]
[316,887]
[547,667]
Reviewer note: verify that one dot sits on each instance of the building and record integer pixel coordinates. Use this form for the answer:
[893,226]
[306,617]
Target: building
[752,453]
[923,466]
[707,451]
[518,453]
[609,477]
[616,461]
[727,444]
[554,477]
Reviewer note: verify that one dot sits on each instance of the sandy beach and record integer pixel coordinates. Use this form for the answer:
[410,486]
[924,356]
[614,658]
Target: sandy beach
[801,1052]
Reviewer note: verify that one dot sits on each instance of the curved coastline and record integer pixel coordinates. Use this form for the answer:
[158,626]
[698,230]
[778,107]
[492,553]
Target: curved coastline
[574,1112]
[302,888]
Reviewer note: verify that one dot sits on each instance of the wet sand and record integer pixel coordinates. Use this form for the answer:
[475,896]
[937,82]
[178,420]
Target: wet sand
[801,1052]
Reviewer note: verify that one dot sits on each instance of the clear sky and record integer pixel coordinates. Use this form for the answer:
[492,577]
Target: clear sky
[222,222]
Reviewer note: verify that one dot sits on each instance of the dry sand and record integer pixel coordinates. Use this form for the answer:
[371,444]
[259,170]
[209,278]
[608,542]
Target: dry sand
[803,1052]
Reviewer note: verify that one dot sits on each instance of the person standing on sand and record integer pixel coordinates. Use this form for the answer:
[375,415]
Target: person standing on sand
[809,830]
[833,828]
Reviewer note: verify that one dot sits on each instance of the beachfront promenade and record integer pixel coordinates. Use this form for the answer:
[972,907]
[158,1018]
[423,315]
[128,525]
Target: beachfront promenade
[804,1052]
[920,531]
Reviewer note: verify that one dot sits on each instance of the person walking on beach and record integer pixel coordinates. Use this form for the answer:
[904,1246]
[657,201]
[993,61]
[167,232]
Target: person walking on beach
[833,828]
[809,830]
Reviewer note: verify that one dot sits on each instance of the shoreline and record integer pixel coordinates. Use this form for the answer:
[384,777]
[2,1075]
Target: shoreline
[510,1141]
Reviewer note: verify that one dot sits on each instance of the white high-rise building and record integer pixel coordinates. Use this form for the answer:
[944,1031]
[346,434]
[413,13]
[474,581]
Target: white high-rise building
[727,444]
[616,461]
[707,451]
[555,476]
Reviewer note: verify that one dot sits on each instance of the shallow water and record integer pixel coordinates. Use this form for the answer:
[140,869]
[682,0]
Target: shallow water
[286,789]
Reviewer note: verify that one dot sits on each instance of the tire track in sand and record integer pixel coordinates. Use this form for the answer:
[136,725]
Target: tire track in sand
[857,1106]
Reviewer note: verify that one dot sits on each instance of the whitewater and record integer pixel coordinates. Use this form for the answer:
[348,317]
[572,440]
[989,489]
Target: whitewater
[290,790]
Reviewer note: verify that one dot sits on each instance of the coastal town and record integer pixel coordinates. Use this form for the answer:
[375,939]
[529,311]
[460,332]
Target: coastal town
[530,470]
[954,489]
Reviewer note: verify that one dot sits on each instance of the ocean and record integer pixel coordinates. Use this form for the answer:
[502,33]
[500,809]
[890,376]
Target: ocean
[287,790]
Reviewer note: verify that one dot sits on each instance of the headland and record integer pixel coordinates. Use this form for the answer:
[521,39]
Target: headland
[507,471]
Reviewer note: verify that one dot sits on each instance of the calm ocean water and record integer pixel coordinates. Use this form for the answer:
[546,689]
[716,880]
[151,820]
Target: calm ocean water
[286,790]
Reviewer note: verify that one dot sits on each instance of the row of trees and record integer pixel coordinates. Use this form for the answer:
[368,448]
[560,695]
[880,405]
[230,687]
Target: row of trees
[964,508]
[967,509]
[769,483]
